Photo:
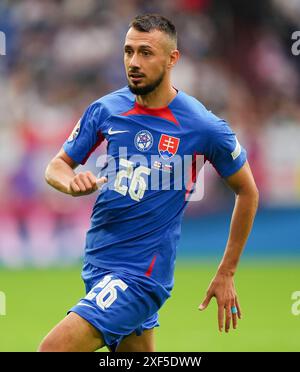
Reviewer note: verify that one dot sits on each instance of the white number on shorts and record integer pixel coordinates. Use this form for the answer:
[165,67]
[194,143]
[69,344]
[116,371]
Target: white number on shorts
[138,185]
[108,294]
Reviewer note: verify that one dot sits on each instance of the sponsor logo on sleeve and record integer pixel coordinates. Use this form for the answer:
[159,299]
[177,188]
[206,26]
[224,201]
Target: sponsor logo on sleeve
[75,132]
[237,151]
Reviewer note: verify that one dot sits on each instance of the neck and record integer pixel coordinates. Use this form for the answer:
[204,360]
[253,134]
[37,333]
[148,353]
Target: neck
[160,97]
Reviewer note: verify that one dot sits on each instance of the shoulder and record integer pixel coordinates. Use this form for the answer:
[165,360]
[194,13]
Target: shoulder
[114,103]
[196,112]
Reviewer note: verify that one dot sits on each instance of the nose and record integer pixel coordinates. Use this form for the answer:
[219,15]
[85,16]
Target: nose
[134,61]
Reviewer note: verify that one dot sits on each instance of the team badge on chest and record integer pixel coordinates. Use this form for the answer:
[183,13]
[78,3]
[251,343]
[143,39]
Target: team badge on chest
[143,140]
[168,146]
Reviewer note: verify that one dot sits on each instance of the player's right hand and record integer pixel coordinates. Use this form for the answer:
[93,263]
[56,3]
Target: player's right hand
[85,183]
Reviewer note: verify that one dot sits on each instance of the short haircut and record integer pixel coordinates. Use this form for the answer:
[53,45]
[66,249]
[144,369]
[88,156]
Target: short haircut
[150,22]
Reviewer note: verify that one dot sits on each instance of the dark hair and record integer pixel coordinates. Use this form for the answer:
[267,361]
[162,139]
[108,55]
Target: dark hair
[149,22]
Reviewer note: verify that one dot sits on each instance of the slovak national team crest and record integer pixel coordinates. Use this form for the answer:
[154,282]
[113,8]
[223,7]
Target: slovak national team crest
[143,140]
[168,146]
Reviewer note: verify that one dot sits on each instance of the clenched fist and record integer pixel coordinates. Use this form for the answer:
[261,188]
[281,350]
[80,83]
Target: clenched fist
[85,183]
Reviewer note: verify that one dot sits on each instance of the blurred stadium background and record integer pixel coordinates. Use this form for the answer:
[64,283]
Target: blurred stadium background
[237,60]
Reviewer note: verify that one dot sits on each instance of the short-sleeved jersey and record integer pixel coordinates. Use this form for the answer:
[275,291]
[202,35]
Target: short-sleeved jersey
[136,222]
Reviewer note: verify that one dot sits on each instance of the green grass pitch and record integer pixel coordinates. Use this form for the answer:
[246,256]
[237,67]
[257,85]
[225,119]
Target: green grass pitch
[37,299]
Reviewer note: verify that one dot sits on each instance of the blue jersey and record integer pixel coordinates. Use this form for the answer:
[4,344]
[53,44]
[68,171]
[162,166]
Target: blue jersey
[136,219]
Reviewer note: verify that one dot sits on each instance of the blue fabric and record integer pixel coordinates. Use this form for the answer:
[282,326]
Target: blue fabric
[128,303]
[139,231]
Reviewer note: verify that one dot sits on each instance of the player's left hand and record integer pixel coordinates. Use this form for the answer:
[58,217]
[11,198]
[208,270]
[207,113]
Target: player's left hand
[222,287]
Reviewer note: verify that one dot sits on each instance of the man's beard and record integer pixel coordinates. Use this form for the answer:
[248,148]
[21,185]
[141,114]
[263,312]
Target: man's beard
[142,91]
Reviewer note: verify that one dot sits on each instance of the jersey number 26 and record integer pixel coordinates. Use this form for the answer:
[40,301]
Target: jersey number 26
[137,186]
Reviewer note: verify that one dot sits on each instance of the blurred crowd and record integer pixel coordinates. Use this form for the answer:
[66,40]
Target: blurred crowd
[63,54]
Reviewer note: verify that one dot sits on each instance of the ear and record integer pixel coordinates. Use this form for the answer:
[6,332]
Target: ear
[173,58]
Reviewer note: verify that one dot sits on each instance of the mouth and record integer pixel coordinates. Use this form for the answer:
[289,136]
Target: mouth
[135,77]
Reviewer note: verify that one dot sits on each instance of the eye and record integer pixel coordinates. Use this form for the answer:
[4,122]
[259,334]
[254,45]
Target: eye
[146,53]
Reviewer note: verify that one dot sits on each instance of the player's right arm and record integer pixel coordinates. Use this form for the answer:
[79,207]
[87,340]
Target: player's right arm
[84,139]
[60,174]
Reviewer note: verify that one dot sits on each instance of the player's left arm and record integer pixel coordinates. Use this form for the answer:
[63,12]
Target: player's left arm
[222,286]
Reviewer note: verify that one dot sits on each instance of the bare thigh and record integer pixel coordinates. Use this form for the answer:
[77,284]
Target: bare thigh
[73,333]
[134,343]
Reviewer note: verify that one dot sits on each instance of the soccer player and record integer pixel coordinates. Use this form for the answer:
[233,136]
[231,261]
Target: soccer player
[131,244]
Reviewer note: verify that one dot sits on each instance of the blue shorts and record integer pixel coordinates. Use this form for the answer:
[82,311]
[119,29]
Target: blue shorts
[119,303]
